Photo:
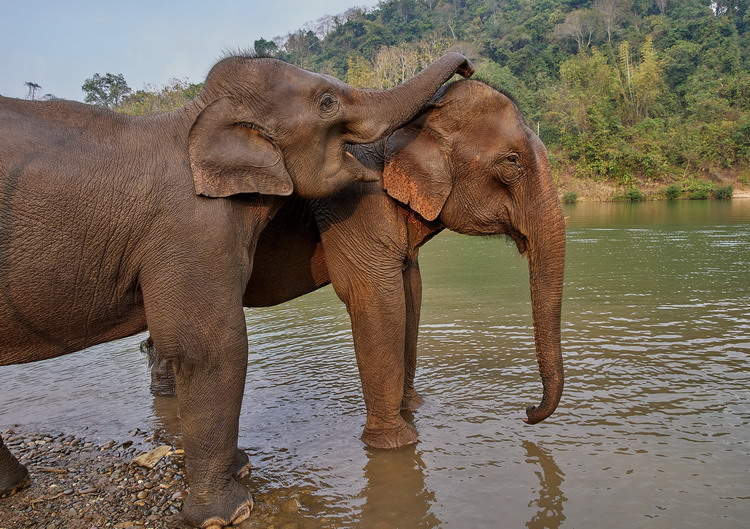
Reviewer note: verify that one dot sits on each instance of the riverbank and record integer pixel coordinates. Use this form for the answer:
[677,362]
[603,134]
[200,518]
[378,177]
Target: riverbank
[78,484]
[607,191]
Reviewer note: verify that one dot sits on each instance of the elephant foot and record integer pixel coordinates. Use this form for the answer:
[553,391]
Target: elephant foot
[14,483]
[217,510]
[411,400]
[241,466]
[401,435]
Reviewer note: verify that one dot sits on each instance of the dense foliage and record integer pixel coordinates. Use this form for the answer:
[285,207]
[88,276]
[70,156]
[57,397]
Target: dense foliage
[620,90]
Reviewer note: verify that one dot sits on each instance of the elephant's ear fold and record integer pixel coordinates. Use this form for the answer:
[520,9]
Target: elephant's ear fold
[229,154]
[416,172]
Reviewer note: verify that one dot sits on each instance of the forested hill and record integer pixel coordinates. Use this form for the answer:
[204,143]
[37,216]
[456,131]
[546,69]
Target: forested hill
[623,91]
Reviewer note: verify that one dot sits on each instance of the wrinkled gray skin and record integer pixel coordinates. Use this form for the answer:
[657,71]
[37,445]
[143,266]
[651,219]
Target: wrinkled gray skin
[468,164]
[109,223]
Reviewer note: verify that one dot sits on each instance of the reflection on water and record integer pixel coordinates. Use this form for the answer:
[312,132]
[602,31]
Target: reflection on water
[551,499]
[395,493]
[653,429]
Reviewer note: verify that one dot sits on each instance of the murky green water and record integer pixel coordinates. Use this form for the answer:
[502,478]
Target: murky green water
[653,430]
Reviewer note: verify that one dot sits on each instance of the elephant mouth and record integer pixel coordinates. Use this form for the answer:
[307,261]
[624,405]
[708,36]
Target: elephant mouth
[522,242]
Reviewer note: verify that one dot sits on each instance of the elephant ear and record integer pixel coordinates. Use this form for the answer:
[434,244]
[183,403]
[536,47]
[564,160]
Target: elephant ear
[229,154]
[416,171]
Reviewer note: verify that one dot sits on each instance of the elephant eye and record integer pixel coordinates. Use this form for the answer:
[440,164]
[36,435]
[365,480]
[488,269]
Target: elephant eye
[508,168]
[328,105]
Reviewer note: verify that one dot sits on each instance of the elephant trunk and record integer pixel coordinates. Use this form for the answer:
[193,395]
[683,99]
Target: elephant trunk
[546,256]
[373,114]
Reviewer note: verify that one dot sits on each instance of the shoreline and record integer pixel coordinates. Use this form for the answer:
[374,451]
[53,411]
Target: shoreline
[79,484]
[605,191]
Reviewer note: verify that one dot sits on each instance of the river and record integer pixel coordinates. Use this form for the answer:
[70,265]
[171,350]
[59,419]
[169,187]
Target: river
[653,429]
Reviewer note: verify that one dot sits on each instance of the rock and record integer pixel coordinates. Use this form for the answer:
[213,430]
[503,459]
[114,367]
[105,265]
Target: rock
[142,495]
[151,458]
[291,506]
[177,495]
[124,525]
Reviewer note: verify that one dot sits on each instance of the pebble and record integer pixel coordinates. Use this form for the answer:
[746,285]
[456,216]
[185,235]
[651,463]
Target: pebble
[291,506]
[101,488]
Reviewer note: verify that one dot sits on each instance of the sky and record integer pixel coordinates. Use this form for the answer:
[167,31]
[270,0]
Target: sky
[59,44]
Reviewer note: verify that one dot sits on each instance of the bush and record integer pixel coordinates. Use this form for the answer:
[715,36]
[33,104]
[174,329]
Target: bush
[634,195]
[699,194]
[571,197]
[698,189]
[673,192]
[723,193]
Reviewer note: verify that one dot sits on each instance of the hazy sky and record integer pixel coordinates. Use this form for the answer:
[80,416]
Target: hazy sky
[58,44]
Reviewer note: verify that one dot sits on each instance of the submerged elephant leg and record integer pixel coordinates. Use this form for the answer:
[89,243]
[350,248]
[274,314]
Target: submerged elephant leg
[376,308]
[413,297]
[13,475]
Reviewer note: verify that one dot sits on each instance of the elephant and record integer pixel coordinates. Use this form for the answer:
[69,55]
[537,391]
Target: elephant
[111,224]
[467,163]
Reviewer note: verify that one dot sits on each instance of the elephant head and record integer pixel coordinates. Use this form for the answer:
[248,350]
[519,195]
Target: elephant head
[265,126]
[470,163]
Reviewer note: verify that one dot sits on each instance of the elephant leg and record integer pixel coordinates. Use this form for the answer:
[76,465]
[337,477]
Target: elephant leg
[163,384]
[376,306]
[13,475]
[413,299]
[162,371]
[208,345]
[241,466]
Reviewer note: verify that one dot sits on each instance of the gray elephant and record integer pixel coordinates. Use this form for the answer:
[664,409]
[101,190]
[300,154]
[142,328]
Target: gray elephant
[110,224]
[467,163]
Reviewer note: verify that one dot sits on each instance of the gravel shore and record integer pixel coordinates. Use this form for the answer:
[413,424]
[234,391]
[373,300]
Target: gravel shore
[77,484]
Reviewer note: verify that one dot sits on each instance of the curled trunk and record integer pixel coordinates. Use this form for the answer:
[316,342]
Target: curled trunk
[546,255]
[374,114]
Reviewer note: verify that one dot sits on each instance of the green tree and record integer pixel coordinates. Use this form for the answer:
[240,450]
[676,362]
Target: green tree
[359,72]
[265,48]
[647,80]
[106,90]
[641,84]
